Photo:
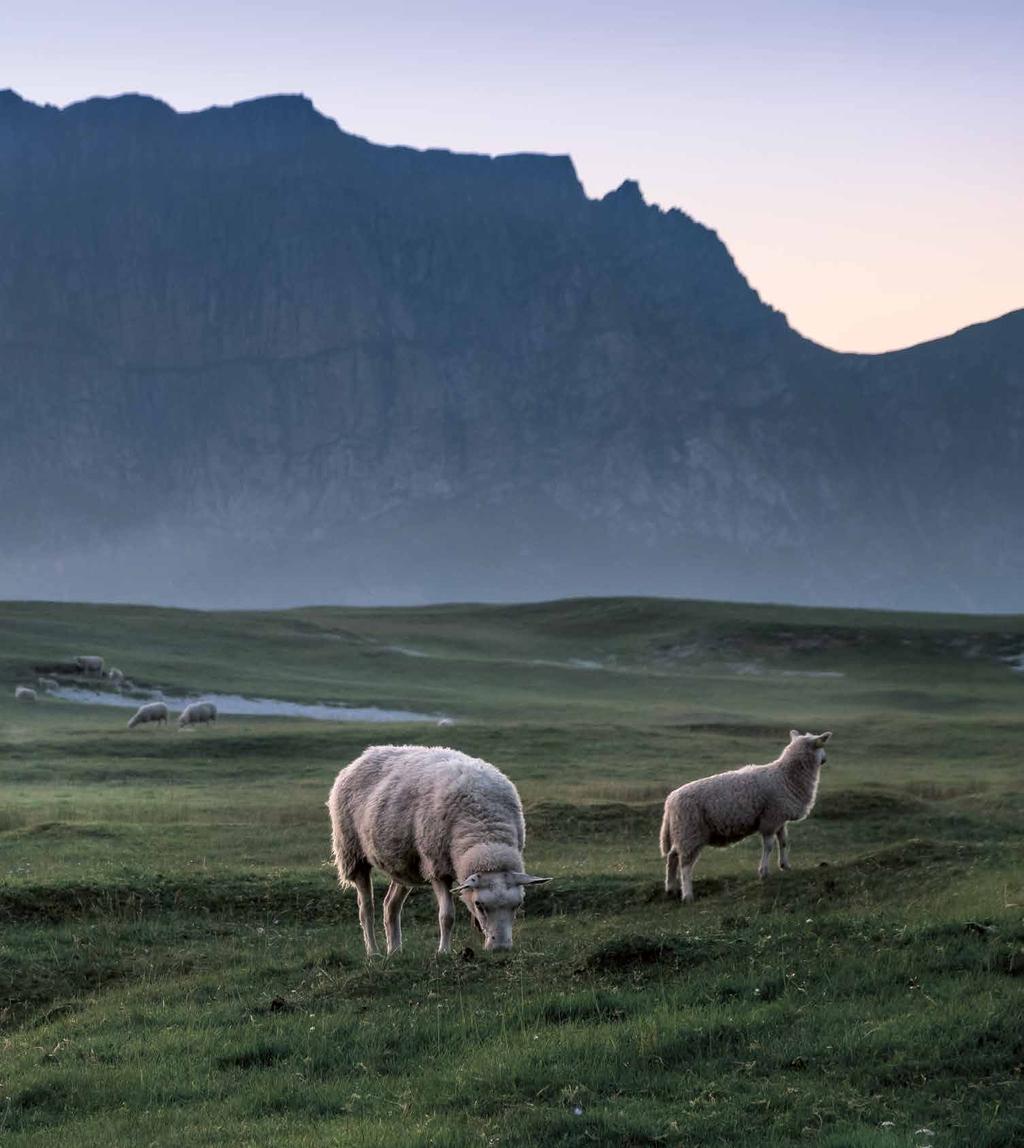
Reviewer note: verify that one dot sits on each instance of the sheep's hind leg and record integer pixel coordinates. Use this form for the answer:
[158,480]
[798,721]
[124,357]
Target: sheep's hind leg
[672,873]
[364,891]
[767,844]
[686,864]
[445,914]
[394,899]
[783,838]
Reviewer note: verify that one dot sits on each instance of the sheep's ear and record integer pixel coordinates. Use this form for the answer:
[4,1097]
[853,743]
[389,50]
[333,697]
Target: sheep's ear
[821,739]
[471,882]
[526,879]
[794,734]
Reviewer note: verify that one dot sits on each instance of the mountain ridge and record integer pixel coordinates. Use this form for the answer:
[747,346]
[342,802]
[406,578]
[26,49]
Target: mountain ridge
[269,361]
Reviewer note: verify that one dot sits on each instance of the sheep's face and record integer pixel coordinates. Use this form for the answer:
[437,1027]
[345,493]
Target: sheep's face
[815,742]
[493,899]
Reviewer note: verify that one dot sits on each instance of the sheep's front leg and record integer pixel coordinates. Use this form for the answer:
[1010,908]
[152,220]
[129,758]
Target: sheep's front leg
[394,899]
[445,914]
[767,844]
[364,891]
[783,837]
[672,873]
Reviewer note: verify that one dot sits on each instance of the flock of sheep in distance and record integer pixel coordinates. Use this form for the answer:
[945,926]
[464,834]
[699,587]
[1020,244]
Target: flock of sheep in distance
[90,666]
[435,816]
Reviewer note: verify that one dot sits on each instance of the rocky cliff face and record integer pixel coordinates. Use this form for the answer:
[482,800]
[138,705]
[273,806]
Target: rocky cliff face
[246,358]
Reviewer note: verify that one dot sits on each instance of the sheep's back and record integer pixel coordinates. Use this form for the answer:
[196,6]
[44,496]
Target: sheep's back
[411,807]
[727,805]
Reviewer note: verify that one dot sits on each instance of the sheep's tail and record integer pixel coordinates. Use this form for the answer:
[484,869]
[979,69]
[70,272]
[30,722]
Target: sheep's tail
[344,856]
[666,834]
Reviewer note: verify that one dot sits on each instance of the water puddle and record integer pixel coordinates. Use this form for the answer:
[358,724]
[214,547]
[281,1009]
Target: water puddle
[236,704]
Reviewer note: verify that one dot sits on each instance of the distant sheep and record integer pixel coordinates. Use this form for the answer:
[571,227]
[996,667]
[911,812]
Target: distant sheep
[48,683]
[151,712]
[729,806]
[198,713]
[431,816]
[444,723]
[115,675]
[89,664]
[24,694]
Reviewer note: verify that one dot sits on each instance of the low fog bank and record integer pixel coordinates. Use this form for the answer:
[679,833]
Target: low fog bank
[200,572]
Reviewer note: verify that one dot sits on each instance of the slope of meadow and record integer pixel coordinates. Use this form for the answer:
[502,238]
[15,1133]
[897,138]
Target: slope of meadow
[178,966]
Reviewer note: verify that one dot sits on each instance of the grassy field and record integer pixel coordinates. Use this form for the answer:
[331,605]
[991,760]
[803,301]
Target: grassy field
[178,966]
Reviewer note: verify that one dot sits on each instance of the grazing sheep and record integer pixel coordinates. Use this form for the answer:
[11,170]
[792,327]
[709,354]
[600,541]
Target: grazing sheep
[89,664]
[48,683]
[197,713]
[729,806]
[431,817]
[115,675]
[151,712]
[24,694]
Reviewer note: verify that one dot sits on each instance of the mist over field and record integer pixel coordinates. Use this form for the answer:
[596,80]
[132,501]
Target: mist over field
[249,359]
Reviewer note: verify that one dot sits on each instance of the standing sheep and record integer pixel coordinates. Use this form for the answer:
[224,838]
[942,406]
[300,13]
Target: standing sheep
[431,816]
[151,712]
[115,675]
[89,664]
[198,713]
[24,694]
[729,806]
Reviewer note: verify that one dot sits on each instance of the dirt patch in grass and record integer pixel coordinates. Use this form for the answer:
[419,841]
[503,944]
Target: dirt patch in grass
[260,1056]
[638,951]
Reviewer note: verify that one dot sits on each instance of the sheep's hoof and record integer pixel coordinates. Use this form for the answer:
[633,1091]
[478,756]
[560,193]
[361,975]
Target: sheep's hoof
[687,898]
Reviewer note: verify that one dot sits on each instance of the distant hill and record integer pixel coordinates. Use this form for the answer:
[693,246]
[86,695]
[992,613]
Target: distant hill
[247,358]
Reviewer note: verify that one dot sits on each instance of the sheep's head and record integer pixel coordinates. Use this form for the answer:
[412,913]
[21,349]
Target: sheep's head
[814,742]
[493,899]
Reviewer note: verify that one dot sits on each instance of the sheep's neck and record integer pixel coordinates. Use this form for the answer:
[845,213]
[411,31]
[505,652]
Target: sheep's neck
[801,778]
[488,857]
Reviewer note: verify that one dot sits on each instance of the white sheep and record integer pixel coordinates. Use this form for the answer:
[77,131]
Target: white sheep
[729,806]
[445,723]
[151,712]
[24,694]
[48,683]
[90,664]
[430,816]
[197,713]
[115,675]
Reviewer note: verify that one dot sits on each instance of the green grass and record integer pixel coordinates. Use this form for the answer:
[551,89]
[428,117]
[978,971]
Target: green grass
[178,966]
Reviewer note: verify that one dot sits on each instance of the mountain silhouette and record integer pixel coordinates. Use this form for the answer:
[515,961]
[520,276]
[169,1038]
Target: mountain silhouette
[249,359]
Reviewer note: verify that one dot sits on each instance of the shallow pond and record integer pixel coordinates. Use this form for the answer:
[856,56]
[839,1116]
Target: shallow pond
[236,704]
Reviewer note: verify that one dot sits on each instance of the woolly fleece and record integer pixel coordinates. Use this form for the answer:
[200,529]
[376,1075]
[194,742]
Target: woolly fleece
[422,814]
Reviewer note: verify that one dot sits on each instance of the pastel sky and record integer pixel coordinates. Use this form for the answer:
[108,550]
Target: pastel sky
[862,159]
